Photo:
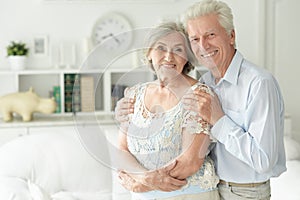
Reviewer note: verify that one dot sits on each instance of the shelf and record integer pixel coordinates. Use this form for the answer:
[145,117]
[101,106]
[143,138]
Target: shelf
[51,71]
[54,120]
[53,82]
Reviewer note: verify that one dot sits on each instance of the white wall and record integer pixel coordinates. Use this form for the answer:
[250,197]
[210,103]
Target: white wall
[286,55]
[70,22]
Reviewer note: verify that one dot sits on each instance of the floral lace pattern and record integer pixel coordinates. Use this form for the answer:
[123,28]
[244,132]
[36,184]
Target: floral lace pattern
[155,139]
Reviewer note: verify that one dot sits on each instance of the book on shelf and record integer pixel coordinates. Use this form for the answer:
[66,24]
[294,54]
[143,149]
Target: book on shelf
[72,92]
[87,93]
[57,98]
[117,92]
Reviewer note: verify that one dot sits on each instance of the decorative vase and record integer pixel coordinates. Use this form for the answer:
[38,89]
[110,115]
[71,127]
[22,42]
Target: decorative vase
[17,62]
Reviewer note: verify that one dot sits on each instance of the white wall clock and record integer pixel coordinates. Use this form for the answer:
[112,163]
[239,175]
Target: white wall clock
[112,31]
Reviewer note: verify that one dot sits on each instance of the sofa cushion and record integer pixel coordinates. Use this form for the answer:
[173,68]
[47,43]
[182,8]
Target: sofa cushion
[54,162]
[292,148]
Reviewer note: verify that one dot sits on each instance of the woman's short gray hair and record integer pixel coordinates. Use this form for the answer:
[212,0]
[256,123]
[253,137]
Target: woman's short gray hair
[166,28]
[206,7]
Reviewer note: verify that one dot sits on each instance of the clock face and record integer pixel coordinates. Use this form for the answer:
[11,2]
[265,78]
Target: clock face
[112,32]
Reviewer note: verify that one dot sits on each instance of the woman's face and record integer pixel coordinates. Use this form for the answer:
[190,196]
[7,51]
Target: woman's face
[168,56]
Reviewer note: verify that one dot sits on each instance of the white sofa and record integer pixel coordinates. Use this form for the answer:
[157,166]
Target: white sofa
[55,166]
[286,186]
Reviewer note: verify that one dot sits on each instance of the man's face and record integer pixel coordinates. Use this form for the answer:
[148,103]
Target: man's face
[211,44]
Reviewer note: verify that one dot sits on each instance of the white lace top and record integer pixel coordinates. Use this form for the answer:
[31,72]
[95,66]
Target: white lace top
[156,139]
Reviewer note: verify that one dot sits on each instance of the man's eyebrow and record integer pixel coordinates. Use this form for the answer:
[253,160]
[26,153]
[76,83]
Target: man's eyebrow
[213,30]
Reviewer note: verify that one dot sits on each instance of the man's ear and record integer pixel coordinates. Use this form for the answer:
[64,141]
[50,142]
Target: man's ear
[232,37]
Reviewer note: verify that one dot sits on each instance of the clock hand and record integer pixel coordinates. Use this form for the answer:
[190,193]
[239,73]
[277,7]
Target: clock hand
[106,36]
[111,35]
[116,39]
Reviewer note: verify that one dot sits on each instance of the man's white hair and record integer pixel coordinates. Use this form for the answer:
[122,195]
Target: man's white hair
[207,7]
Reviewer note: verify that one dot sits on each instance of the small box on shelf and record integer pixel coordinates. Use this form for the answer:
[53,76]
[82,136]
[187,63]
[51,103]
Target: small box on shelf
[87,93]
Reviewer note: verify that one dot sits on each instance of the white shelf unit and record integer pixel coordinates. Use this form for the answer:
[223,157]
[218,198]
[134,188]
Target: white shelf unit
[43,81]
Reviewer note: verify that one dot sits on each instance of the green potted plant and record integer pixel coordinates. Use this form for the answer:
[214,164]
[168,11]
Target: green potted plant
[17,53]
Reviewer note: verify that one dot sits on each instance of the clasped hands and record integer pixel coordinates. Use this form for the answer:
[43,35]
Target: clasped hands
[164,179]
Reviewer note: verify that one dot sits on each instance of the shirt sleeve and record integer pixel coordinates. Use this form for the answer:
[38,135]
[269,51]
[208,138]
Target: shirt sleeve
[255,142]
[193,123]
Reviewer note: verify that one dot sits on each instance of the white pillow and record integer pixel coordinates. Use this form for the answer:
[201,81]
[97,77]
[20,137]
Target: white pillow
[292,148]
[54,161]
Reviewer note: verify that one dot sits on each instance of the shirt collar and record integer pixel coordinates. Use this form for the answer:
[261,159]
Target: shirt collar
[232,73]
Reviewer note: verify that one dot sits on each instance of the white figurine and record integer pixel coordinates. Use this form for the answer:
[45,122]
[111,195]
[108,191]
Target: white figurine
[25,104]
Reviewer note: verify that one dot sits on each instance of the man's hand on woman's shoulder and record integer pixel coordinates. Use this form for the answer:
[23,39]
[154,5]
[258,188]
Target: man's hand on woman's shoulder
[123,108]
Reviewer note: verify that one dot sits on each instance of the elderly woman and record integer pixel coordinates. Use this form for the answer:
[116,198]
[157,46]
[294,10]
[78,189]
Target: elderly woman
[161,137]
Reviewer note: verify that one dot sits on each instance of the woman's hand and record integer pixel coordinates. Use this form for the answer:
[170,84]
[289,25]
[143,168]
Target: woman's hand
[131,184]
